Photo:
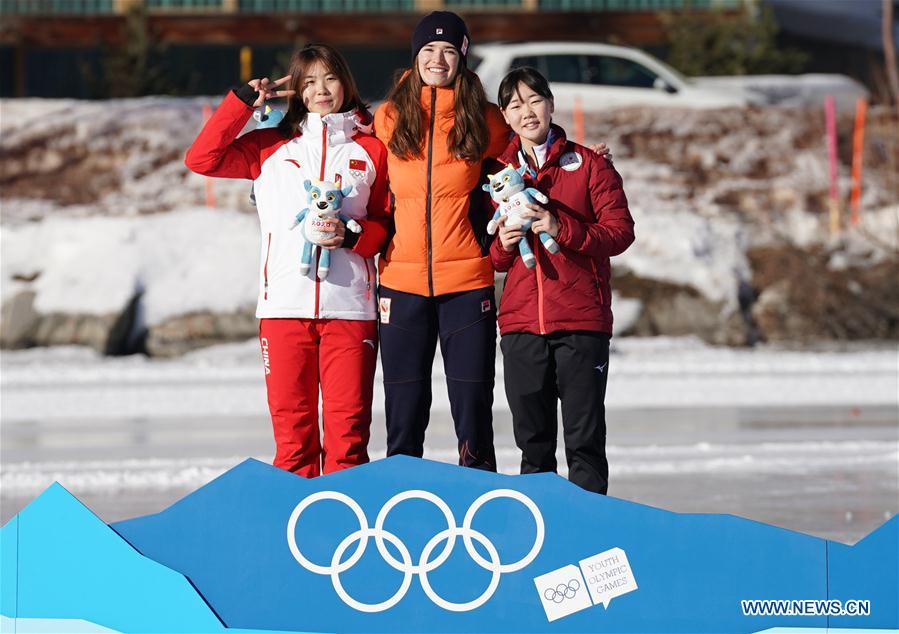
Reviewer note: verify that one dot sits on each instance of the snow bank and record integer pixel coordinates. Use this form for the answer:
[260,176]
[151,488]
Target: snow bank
[117,157]
[687,249]
[184,261]
[705,188]
[659,372]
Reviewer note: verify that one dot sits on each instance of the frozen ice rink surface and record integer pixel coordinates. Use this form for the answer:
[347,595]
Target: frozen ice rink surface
[806,440]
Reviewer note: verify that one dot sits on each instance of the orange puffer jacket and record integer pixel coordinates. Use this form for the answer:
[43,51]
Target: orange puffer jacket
[436,249]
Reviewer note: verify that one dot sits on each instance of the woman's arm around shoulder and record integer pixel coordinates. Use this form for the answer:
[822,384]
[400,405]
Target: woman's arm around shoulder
[612,230]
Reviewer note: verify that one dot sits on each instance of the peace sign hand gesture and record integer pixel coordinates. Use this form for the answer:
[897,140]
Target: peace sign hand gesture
[267,89]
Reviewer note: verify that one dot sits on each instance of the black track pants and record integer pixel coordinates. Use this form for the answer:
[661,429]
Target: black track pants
[540,370]
[465,325]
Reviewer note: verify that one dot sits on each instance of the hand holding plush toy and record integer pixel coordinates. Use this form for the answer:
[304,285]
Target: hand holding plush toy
[508,191]
[325,199]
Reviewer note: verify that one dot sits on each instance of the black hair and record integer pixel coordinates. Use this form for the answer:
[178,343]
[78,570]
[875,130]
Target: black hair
[530,77]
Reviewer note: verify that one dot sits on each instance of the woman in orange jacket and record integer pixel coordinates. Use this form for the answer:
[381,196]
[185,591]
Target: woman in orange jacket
[436,276]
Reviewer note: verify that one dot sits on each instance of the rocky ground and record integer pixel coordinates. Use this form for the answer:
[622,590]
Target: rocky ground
[765,171]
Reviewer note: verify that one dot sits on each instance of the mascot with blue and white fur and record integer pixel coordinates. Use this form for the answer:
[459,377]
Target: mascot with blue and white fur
[324,202]
[507,189]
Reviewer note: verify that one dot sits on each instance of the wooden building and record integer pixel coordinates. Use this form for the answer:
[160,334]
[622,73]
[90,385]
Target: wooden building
[55,48]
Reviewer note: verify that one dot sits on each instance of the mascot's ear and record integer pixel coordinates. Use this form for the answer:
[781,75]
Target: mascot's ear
[346,190]
[307,184]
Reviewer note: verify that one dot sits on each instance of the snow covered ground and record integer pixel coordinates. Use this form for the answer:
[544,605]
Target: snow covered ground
[805,440]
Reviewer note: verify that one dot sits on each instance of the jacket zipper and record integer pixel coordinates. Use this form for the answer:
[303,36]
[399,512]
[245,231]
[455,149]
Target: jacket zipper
[596,281]
[539,273]
[321,177]
[428,198]
[268,250]
[367,280]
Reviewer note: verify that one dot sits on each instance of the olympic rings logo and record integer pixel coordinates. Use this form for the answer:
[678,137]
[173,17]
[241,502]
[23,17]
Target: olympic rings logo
[425,564]
[562,591]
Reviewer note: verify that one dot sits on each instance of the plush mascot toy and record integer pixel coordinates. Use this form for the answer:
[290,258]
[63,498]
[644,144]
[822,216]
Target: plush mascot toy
[265,117]
[324,199]
[508,191]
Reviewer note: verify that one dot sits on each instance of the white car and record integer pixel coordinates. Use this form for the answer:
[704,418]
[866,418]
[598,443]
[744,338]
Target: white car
[798,91]
[602,75]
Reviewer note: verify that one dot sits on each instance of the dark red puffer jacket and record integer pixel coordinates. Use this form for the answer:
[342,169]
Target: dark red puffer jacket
[568,290]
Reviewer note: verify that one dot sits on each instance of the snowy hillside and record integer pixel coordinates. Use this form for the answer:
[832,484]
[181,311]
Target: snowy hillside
[104,234]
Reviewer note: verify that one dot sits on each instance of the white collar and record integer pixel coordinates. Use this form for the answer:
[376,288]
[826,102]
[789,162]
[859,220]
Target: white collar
[540,152]
[341,126]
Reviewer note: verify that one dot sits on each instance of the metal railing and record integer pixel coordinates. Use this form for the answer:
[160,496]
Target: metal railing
[488,4]
[56,7]
[325,6]
[100,7]
[184,5]
[637,5]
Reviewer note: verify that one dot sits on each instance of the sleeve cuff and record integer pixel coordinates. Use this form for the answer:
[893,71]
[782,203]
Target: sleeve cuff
[350,239]
[565,230]
[499,257]
[246,93]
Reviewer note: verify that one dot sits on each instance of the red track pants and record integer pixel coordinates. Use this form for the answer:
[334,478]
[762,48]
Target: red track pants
[300,354]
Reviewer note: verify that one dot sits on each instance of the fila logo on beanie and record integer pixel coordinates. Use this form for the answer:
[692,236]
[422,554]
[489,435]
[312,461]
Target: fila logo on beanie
[441,26]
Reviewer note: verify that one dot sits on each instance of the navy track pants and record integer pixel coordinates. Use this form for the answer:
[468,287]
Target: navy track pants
[465,325]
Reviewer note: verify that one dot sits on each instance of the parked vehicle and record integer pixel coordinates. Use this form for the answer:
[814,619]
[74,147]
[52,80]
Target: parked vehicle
[602,75]
[800,91]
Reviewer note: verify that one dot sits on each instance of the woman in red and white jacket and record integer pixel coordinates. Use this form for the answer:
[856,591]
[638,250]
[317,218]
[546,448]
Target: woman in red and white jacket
[312,332]
[556,319]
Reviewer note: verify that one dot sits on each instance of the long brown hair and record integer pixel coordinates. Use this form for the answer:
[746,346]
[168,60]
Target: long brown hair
[469,137]
[300,63]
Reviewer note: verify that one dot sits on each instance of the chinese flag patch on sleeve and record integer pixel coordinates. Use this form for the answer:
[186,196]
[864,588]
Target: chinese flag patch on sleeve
[358,164]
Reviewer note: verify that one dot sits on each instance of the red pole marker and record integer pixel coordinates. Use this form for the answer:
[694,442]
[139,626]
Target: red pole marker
[578,121]
[858,146]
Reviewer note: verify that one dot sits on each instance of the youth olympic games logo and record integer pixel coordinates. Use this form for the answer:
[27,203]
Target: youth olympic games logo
[562,591]
[425,563]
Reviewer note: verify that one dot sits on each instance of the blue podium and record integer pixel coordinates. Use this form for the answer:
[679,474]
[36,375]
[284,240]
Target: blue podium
[408,545]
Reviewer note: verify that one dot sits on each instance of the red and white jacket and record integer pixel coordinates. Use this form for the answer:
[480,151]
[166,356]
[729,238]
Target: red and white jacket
[325,147]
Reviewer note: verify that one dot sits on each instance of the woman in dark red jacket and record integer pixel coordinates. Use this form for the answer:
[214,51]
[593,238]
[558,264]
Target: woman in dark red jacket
[556,318]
